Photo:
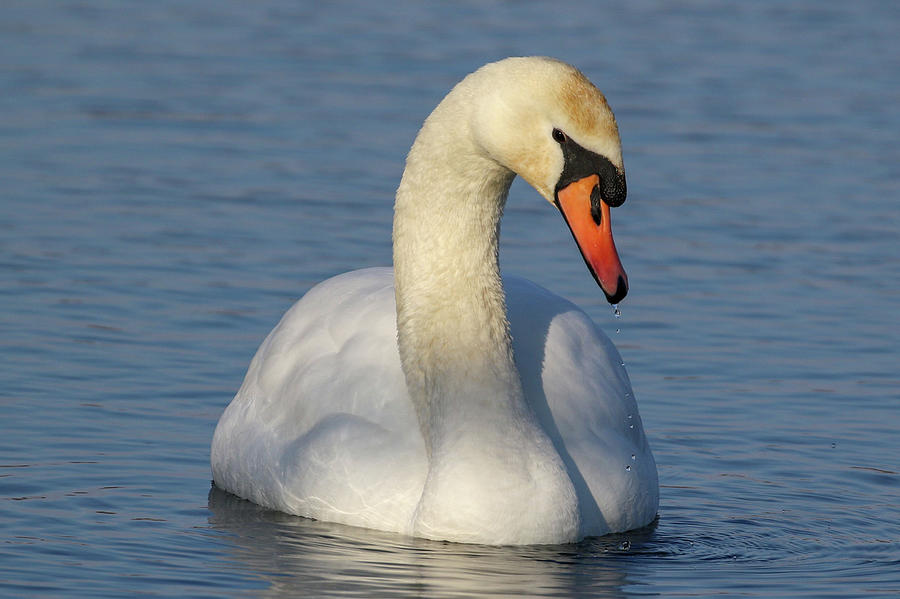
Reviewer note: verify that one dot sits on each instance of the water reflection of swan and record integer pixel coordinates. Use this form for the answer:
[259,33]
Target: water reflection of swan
[297,557]
[467,433]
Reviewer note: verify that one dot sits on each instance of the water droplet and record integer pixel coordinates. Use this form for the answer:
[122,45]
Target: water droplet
[630,416]
[630,426]
[622,363]
[618,331]
[616,312]
[633,457]
[628,394]
[625,545]
[628,468]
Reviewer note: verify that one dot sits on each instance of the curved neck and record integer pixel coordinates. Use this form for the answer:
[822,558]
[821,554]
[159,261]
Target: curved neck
[452,327]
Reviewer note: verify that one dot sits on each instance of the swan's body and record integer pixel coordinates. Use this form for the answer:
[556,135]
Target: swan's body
[424,415]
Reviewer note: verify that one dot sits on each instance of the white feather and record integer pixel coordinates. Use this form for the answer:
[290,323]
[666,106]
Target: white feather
[500,417]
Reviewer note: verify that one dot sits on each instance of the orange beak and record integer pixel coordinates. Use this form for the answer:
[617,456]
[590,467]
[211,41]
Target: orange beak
[594,239]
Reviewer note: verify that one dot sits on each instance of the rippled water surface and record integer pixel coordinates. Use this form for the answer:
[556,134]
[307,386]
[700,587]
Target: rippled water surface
[175,174]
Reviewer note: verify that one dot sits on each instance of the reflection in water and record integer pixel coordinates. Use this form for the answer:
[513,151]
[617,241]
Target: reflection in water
[301,557]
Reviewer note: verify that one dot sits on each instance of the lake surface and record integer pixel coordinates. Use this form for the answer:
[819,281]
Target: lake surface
[174,175]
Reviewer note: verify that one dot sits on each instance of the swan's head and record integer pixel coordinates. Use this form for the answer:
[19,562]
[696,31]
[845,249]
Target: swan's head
[543,119]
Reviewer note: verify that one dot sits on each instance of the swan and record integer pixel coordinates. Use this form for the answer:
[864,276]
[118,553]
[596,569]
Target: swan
[437,399]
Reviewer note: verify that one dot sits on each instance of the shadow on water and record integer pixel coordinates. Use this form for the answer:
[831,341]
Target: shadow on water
[299,557]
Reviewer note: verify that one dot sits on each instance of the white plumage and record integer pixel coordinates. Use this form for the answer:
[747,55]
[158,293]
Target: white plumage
[492,421]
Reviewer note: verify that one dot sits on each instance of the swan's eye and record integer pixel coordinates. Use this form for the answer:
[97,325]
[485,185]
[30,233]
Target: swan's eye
[559,136]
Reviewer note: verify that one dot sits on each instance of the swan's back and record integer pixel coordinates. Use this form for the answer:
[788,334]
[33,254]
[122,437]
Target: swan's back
[323,425]
[575,382]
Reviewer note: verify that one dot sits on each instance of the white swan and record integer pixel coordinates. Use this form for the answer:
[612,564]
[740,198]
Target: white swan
[427,416]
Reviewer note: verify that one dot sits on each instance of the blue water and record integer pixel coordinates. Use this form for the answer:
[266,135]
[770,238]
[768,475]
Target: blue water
[174,175]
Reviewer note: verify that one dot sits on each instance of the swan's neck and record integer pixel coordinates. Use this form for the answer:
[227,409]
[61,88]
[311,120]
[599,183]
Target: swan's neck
[493,474]
[453,331]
